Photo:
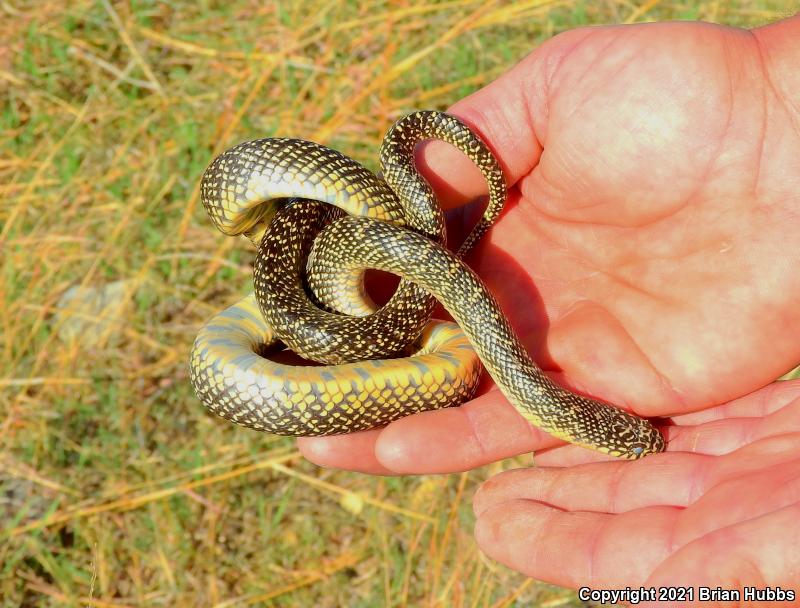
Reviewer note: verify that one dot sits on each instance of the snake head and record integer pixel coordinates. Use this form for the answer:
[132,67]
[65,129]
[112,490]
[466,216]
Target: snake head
[648,440]
[628,436]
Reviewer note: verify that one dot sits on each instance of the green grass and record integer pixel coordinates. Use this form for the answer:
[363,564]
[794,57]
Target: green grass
[117,488]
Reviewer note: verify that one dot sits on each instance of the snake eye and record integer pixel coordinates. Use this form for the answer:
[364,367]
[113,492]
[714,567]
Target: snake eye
[638,450]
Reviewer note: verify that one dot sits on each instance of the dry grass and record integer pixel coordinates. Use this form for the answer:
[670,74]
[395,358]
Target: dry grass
[117,488]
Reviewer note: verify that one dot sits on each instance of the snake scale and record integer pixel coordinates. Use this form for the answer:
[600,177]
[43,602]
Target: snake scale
[320,220]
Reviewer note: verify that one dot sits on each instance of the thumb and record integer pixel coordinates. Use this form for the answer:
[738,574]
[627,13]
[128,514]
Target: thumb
[510,114]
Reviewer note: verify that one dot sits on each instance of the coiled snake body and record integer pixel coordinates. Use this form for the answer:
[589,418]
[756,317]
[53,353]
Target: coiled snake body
[320,220]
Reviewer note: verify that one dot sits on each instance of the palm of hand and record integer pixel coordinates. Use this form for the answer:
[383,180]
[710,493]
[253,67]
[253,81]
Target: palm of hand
[653,224]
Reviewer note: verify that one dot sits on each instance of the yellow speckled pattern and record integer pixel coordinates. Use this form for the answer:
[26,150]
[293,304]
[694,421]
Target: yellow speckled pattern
[237,383]
[320,220]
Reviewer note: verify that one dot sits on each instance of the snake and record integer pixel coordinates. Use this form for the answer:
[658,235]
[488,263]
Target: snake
[319,221]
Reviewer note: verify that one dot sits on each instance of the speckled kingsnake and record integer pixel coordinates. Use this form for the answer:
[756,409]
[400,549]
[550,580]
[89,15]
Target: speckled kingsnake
[310,296]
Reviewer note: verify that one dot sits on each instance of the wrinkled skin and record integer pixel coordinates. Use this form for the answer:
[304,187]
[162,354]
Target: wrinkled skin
[649,255]
[721,508]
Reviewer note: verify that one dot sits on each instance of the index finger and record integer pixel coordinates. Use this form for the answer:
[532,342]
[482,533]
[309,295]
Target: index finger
[486,429]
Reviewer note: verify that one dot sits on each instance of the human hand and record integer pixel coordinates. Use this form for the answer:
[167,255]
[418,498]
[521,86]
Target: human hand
[677,518]
[646,251]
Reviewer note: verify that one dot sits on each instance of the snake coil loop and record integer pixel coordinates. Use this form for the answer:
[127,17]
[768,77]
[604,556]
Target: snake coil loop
[320,220]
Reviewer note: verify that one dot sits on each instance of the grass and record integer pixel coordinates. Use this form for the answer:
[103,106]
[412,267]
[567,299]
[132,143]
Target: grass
[117,488]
